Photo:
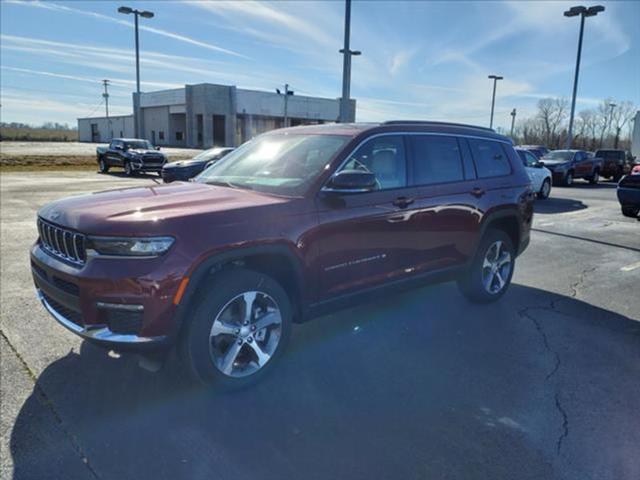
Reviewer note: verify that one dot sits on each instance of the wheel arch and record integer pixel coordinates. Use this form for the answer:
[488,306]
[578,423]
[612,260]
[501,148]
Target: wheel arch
[276,261]
[506,220]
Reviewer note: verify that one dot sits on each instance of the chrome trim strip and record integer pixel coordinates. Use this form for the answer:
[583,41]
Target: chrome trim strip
[100,333]
[121,306]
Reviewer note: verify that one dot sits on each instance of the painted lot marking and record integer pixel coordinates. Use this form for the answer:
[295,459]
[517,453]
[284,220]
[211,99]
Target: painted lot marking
[628,268]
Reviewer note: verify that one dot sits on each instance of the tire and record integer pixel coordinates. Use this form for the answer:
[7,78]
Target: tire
[593,179]
[568,179]
[230,358]
[618,175]
[102,166]
[630,211]
[480,285]
[128,170]
[545,189]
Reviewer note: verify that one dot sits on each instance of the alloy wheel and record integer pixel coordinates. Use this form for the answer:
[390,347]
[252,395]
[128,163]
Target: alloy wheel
[496,268]
[245,334]
[546,188]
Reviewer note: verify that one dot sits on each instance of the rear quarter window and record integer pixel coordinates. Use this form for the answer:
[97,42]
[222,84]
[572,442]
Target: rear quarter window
[490,157]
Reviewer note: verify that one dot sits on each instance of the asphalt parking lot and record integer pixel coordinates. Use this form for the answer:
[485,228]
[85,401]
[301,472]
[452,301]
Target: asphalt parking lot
[543,384]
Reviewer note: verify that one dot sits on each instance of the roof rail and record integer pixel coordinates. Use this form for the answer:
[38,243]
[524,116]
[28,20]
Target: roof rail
[427,122]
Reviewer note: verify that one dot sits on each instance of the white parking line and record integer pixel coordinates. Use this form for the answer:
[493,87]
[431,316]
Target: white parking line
[628,268]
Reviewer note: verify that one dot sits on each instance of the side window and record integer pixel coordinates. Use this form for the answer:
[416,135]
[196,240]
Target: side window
[491,159]
[385,157]
[523,157]
[435,159]
[528,159]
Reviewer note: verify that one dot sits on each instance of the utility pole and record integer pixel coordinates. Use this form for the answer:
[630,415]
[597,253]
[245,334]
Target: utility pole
[513,121]
[286,94]
[574,12]
[346,65]
[495,79]
[105,95]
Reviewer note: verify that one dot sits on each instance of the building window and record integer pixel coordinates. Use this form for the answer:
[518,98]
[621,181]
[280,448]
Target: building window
[179,136]
[160,135]
[121,135]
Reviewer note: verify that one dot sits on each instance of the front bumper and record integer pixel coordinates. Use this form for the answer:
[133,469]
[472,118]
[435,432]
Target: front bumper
[146,167]
[175,174]
[119,304]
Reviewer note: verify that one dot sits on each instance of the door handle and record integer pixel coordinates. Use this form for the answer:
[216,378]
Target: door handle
[403,202]
[477,192]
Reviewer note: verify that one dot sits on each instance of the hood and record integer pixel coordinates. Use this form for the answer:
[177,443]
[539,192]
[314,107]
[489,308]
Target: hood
[158,209]
[144,151]
[186,163]
[553,163]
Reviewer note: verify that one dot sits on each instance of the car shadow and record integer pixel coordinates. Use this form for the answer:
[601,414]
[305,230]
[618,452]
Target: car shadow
[420,384]
[587,185]
[558,205]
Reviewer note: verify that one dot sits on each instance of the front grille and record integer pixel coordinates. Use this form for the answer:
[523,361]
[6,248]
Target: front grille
[70,288]
[153,159]
[62,243]
[67,313]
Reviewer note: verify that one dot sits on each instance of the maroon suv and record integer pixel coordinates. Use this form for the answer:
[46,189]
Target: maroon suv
[293,224]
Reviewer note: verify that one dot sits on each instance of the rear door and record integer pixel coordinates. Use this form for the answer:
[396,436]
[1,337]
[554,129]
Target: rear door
[442,218]
[583,164]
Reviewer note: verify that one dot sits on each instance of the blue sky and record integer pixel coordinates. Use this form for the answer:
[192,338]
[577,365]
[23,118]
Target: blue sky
[426,60]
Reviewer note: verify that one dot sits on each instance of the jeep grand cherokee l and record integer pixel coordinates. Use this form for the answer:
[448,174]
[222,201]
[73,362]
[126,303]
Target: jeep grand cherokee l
[291,225]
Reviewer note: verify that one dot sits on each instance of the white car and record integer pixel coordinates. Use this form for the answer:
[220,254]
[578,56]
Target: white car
[539,175]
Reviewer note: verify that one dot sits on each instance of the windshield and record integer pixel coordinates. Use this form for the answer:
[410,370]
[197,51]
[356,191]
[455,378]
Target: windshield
[284,164]
[559,155]
[138,145]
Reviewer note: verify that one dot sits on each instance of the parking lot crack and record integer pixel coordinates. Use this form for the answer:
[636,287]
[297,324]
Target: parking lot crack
[565,423]
[48,403]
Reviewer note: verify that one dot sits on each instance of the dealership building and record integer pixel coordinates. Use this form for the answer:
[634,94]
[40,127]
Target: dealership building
[207,115]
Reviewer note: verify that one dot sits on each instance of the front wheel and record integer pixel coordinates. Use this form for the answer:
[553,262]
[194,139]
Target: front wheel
[490,273]
[128,169]
[568,179]
[595,178]
[239,327]
[545,189]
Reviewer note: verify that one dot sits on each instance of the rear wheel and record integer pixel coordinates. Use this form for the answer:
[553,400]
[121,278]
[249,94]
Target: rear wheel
[545,189]
[593,179]
[630,211]
[568,179]
[490,273]
[102,165]
[238,330]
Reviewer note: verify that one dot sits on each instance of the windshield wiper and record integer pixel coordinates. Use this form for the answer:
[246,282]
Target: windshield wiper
[226,183]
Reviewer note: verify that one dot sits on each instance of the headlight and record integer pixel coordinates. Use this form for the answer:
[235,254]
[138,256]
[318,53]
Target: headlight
[129,247]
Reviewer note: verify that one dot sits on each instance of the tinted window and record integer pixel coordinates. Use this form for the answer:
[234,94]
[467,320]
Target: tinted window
[528,159]
[435,159]
[491,159]
[385,157]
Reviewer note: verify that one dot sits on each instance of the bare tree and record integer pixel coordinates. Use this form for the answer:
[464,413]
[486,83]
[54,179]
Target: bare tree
[552,112]
[621,115]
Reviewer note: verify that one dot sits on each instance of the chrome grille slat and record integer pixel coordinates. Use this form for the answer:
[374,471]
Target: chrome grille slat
[62,243]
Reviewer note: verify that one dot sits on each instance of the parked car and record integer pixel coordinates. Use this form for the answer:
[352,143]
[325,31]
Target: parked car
[540,176]
[615,163]
[567,165]
[186,169]
[629,193]
[635,170]
[132,154]
[294,224]
[538,150]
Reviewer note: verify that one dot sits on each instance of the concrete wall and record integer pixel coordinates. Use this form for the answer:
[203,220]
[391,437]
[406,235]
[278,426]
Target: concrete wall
[203,101]
[271,104]
[155,124]
[108,128]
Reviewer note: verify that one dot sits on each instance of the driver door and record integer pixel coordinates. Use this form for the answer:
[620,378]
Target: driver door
[360,235]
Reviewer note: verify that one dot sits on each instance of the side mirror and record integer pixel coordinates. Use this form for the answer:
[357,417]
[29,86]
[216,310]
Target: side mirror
[157,148]
[209,164]
[118,147]
[351,181]
[538,164]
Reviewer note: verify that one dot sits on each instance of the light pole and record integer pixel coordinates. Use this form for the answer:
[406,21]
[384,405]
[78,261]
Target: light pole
[495,79]
[574,12]
[513,121]
[145,14]
[286,94]
[346,65]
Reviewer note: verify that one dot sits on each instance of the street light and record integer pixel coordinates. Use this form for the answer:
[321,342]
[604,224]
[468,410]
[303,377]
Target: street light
[346,65]
[574,12]
[495,79]
[145,14]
